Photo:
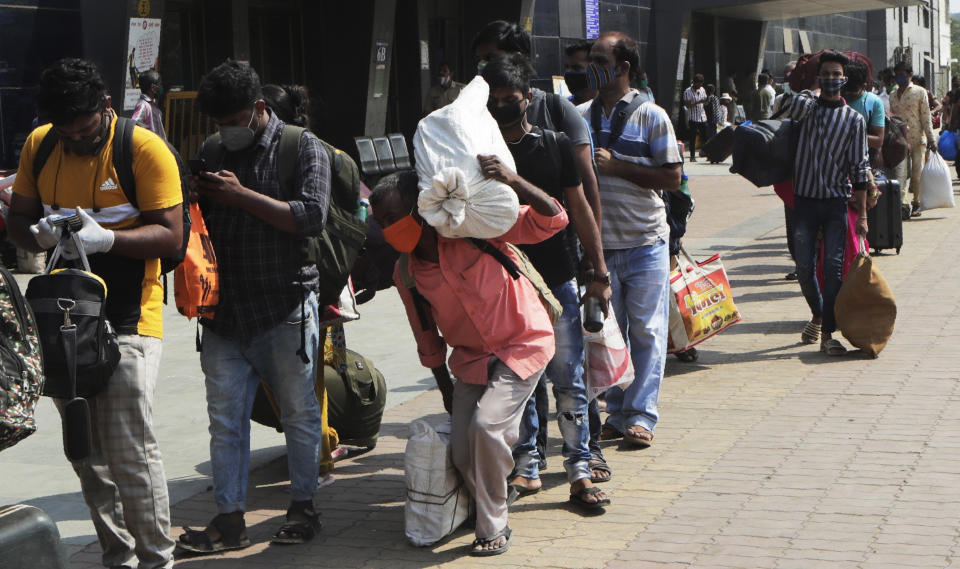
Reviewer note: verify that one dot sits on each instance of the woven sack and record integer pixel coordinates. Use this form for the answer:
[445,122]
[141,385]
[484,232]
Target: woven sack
[865,308]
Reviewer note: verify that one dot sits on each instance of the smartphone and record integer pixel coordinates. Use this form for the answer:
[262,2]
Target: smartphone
[197,166]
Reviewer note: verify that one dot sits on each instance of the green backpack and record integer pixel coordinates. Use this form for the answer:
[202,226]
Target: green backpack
[336,249]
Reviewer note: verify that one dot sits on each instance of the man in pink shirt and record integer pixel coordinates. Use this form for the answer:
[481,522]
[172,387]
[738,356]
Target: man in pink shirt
[501,334]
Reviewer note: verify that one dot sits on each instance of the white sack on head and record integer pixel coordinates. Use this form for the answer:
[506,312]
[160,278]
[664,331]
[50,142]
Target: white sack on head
[455,198]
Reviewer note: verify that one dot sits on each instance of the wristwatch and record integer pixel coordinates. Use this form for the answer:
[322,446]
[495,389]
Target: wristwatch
[602,278]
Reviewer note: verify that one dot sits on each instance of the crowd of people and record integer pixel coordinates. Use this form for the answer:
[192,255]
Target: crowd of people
[593,175]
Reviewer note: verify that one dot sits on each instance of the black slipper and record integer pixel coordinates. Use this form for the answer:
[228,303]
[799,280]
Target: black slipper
[505,532]
[591,491]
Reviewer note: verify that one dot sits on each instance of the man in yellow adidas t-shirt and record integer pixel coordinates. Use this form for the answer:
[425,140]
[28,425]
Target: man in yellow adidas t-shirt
[123,480]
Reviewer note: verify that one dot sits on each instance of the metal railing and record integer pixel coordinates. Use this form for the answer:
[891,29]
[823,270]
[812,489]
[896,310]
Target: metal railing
[186,127]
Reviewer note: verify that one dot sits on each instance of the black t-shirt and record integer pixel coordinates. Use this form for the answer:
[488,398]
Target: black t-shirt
[550,167]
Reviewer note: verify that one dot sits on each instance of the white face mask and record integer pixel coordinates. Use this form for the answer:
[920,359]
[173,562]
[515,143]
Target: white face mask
[445,80]
[236,138]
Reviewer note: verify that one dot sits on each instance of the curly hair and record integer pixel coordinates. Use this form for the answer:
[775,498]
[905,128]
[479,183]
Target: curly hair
[228,88]
[832,56]
[289,102]
[70,88]
[403,181]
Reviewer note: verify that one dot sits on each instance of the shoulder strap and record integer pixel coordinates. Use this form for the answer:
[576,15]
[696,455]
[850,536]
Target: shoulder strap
[44,151]
[619,120]
[553,149]
[123,158]
[497,254]
[406,279]
[288,154]
[554,110]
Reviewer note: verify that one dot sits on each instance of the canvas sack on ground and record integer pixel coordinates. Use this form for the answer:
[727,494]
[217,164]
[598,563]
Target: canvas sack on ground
[437,499]
[866,309]
[936,186]
[455,198]
[608,360]
[703,296]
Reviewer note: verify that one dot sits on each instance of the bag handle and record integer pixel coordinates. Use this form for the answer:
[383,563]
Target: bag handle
[58,252]
[701,274]
[862,246]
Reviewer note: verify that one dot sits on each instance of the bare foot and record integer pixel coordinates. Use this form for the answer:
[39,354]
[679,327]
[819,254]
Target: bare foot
[530,484]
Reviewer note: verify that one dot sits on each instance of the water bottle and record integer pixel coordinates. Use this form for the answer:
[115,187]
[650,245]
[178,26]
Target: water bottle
[592,311]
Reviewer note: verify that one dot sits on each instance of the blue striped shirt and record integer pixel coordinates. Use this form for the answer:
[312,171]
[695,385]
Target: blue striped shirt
[634,216]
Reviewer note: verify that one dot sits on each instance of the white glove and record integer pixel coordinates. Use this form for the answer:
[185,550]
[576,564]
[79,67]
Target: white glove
[47,235]
[93,237]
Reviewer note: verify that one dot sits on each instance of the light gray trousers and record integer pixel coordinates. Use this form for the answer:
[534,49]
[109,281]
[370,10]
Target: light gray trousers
[123,481]
[485,426]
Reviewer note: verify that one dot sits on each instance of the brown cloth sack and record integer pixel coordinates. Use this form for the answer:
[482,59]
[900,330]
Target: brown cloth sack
[865,309]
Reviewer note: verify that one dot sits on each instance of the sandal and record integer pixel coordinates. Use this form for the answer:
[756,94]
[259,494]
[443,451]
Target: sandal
[599,464]
[578,499]
[687,356]
[517,491]
[833,347]
[811,333]
[292,533]
[199,541]
[505,532]
[609,433]
[638,436]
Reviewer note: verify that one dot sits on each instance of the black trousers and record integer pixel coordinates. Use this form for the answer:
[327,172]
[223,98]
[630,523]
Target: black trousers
[695,129]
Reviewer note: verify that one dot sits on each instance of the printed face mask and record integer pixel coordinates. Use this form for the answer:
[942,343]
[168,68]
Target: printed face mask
[576,80]
[91,143]
[509,114]
[597,76]
[236,138]
[831,86]
[404,234]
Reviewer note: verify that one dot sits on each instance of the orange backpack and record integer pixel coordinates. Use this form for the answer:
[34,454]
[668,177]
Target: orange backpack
[196,281]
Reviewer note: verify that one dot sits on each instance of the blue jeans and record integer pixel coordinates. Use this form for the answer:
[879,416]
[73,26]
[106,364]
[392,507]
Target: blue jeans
[640,288]
[233,370]
[809,216]
[565,370]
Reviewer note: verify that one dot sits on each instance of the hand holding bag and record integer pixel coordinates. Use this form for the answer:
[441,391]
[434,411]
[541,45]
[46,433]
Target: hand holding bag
[703,300]
[607,358]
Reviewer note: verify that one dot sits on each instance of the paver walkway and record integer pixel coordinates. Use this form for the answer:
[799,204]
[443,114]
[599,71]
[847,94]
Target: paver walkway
[768,454]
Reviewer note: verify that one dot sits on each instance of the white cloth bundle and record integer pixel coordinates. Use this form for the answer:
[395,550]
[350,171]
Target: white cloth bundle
[455,198]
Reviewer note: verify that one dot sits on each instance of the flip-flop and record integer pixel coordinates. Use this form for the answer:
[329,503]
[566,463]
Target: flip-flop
[609,433]
[505,532]
[833,347]
[517,491]
[578,500]
[639,437]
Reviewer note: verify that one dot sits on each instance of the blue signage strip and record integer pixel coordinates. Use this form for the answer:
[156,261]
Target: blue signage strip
[592,13]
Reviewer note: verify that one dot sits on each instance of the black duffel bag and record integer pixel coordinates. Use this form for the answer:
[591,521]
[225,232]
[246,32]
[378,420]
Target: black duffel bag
[764,151]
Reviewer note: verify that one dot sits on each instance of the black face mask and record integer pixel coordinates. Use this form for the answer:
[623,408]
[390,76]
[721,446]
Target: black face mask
[507,115]
[91,143]
[576,80]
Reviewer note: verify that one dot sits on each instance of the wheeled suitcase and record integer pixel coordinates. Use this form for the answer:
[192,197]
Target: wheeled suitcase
[720,145]
[29,539]
[885,226]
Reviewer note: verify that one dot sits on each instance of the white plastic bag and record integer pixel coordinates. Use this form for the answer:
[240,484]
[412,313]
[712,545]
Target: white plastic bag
[437,500]
[936,188]
[455,198]
[607,357]
[344,311]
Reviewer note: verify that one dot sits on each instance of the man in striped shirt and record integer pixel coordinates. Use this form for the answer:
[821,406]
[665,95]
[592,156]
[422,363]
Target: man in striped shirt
[634,168]
[693,99]
[831,160]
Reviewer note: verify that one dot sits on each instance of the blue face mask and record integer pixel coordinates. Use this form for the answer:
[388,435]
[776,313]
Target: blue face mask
[598,77]
[901,80]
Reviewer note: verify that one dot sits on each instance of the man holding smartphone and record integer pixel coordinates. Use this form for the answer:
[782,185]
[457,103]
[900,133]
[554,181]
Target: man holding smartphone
[122,479]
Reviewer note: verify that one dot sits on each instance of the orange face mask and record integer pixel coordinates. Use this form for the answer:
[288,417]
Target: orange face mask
[403,235]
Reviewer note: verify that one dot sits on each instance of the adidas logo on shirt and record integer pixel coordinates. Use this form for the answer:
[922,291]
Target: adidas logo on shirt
[108,185]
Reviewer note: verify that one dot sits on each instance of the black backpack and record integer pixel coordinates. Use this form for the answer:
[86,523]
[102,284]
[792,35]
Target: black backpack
[123,164]
[764,151]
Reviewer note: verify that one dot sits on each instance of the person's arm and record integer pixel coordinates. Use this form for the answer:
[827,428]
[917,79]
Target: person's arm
[24,212]
[575,127]
[494,169]
[860,173]
[305,215]
[431,348]
[589,235]
[591,188]
[666,177]
[926,121]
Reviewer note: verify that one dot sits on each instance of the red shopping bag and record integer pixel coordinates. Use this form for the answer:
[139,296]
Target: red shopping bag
[608,360]
[703,300]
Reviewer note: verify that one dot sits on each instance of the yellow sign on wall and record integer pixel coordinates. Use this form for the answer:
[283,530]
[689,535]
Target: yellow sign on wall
[143,8]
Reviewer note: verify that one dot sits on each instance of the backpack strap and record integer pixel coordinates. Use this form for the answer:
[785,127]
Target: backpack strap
[44,151]
[552,145]
[288,154]
[554,104]
[621,112]
[123,158]
[406,279]
[497,254]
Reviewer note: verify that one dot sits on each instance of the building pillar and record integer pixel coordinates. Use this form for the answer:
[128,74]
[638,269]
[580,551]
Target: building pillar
[670,34]
[378,84]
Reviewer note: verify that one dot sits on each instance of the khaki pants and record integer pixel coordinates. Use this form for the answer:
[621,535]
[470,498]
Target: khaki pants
[912,168]
[485,426]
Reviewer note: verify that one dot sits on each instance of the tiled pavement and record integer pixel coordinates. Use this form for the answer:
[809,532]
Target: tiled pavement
[768,454]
